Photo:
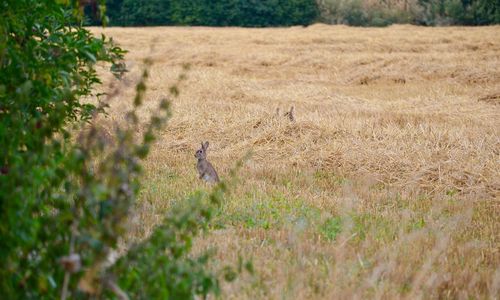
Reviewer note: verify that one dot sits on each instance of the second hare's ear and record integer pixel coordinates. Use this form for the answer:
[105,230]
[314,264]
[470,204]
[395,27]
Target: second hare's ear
[205,145]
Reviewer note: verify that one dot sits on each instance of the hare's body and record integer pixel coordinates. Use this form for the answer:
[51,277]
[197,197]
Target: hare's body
[207,171]
[205,168]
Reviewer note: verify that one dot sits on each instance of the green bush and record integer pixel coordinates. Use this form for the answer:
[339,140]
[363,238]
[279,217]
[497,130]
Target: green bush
[353,13]
[47,63]
[66,197]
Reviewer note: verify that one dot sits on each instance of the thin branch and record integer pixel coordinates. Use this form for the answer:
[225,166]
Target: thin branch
[67,274]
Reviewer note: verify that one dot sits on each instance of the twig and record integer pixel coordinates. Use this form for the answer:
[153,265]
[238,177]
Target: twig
[67,273]
[117,290]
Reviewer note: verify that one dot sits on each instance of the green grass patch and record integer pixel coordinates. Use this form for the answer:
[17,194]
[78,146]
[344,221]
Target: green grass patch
[271,212]
[331,228]
[378,227]
[329,178]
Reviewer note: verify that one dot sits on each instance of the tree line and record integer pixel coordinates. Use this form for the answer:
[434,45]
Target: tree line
[269,13]
[245,13]
[419,12]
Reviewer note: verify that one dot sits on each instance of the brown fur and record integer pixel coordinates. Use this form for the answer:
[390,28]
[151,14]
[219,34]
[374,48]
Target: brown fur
[205,168]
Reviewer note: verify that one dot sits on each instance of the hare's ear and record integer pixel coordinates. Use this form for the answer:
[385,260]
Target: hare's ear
[202,146]
[290,115]
[205,146]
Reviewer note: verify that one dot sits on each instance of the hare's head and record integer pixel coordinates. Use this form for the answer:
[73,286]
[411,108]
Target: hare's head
[202,152]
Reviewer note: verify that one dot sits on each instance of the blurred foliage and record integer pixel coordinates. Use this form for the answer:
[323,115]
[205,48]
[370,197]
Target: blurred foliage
[67,188]
[47,63]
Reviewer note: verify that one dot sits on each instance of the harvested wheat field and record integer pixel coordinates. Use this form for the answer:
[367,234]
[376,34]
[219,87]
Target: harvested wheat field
[385,185]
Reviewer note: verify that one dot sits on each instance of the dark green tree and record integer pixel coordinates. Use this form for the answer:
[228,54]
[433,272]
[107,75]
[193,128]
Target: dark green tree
[248,13]
[142,13]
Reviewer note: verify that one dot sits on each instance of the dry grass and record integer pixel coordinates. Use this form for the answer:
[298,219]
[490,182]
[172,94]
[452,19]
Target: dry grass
[385,186]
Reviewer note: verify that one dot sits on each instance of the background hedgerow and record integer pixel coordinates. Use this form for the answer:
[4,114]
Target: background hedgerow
[269,13]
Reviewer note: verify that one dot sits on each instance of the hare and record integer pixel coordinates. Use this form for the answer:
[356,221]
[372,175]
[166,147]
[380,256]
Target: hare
[205,168]
[290,114]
